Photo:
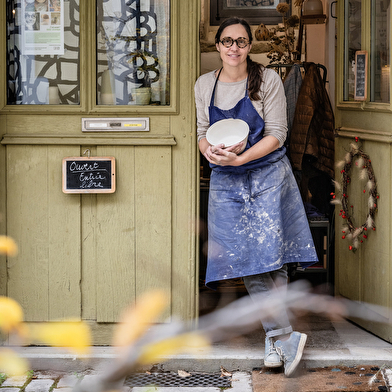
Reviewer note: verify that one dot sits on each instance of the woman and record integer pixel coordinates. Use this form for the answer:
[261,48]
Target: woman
[55,6]
[31,21]
[41,5]
[256,220]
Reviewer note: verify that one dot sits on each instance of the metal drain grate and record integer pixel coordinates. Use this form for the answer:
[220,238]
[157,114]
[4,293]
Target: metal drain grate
[174,380]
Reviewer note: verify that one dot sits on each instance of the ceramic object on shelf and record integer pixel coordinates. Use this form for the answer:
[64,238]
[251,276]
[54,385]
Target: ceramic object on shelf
[142,95]
[54,97]
[312,7]
[108,96]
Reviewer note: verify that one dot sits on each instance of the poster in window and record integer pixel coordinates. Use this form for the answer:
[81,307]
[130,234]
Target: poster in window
[361,60]
[43,27]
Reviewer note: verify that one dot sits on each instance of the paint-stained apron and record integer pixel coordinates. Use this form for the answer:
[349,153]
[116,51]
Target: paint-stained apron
[256,219]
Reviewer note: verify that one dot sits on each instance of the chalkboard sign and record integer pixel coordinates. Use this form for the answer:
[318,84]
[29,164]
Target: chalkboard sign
[89,175]
[361,59]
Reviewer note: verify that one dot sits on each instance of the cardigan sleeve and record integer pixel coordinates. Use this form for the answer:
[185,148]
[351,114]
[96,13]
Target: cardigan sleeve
[274,106]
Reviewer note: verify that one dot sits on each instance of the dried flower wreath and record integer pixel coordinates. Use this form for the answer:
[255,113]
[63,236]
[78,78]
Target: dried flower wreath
[356,234]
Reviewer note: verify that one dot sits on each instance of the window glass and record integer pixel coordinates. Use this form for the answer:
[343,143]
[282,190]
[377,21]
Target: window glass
[352,43]
[380,55]
[43,52]
[133,52]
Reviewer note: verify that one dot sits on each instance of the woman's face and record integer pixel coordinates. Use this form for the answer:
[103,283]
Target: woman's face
[233,56]
[30,19]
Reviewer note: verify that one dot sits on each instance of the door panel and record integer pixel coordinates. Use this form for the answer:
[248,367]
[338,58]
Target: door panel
[115,239]
[365,275]
[89,256]
[135,223]
[153,201]
[44,222]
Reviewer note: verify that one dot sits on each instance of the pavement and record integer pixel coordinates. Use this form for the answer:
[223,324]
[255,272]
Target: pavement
[330,343]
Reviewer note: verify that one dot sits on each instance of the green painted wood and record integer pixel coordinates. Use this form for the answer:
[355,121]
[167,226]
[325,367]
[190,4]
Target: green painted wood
[115,239]
[141,237]
[89,267]
[3,227]
[153,218]
[46,272]
[130,139]
[27,201]
[64,248]
[365,275]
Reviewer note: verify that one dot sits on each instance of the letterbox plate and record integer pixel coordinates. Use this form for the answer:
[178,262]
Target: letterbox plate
[117,124]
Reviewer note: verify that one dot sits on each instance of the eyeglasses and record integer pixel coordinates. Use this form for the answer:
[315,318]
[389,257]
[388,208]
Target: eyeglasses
[228,42]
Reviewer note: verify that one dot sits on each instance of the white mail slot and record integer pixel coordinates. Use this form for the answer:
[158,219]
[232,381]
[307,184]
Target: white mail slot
[115,124]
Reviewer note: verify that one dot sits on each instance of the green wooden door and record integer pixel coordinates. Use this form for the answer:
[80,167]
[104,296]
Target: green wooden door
[364,271]
[87,256]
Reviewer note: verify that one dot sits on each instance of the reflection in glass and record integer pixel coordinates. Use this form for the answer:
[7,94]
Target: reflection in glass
[380,55]
[43,52]
[133,52]
[352,43]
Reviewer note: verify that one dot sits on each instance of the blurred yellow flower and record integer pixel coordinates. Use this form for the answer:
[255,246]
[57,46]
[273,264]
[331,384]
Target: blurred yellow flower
[72,335]
[188,342]
[137,318]
[11,314]
[12,364]
[8,246]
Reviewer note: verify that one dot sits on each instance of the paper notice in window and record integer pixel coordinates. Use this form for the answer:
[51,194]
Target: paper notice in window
[42,27]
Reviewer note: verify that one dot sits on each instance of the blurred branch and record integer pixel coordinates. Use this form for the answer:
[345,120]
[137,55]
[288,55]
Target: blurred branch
[240,317]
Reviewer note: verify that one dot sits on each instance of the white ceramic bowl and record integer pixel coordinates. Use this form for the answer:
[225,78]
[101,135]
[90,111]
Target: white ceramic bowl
[228,131]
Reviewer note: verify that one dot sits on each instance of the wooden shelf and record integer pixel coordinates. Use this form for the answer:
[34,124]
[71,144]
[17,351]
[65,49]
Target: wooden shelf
[313,19]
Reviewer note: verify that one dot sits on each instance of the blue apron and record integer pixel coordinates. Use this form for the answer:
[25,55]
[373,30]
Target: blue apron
[256,218]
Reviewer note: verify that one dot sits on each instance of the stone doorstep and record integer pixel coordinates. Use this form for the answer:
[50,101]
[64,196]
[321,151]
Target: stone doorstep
[39,385]
[241,382]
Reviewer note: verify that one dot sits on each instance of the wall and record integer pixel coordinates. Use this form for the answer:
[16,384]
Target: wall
[315,42]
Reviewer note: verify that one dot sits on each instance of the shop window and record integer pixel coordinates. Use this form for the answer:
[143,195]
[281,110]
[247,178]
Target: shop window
[43,58]
[133,52]
[254,11]
[380,55]
[377,45]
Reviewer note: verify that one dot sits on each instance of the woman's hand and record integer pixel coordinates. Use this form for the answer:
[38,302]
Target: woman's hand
[219,155]
[236,148]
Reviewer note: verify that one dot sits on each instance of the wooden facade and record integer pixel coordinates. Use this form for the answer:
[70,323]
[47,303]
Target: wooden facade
[366,274]
[88,256]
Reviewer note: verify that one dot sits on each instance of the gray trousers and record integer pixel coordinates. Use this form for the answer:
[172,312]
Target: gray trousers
[260,287]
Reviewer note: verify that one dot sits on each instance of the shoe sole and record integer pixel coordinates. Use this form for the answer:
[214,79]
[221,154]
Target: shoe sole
[288,372]
[273,364]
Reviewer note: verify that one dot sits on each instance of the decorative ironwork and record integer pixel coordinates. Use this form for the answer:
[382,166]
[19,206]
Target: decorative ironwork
[128,39]
[127,44]
[29,76]
[174,380]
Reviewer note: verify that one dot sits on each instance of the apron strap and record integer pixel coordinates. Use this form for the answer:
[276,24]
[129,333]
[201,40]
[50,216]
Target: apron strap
[213,91]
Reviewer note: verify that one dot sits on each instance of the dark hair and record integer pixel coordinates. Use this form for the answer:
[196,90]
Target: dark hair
[255,70]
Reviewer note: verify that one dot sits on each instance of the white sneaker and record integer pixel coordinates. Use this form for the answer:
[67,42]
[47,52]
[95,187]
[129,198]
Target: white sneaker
[271,356]
[291,351]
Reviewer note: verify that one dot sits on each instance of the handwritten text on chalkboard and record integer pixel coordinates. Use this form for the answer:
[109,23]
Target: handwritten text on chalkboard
[89,175]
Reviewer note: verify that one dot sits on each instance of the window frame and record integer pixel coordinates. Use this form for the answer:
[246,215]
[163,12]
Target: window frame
[218,13]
